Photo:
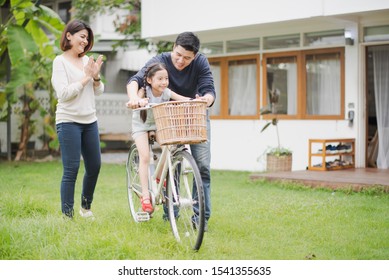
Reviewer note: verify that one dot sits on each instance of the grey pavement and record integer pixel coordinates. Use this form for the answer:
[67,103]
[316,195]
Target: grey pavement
[116,158]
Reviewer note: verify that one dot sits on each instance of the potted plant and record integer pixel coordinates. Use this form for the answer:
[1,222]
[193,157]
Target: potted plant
[277,158]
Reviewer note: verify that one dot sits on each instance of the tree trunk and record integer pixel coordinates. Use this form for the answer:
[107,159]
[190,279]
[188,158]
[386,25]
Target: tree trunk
[24,131]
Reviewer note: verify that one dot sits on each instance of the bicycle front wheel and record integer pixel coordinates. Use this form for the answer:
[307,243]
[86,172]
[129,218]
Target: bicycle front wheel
[134,189]
[187,213]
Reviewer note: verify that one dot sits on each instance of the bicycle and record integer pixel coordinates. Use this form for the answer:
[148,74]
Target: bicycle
[180,188]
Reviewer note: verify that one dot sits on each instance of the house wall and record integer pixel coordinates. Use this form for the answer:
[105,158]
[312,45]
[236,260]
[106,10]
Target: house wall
[205,15]
[238,144]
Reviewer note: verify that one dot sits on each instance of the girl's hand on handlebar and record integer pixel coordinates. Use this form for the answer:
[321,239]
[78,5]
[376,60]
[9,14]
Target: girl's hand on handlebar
[137,103]
[143,102]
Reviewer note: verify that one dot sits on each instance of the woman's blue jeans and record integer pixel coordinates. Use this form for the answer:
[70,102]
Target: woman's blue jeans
[78,139]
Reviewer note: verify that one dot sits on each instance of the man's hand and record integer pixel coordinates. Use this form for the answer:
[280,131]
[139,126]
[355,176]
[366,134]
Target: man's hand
[207,97]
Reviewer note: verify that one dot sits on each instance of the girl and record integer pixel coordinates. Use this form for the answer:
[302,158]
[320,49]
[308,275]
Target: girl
[156,90]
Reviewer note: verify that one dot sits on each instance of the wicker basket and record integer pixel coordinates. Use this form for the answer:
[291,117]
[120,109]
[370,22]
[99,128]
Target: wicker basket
[278,163]
[181,122]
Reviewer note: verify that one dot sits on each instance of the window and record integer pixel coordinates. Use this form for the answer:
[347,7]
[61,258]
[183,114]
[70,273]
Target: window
[332,37]
[323,84]
[61,7]
[237,87]
[64,11]
[281,79]
[244,45]
[310,84]
[242,87]
[212,48]
[216,73]
[281,42]
[376,33]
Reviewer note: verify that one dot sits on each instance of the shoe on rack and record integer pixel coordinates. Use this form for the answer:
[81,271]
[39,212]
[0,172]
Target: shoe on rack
[146,205]
[341,148]
[87,214]
[331,149]
[348,149]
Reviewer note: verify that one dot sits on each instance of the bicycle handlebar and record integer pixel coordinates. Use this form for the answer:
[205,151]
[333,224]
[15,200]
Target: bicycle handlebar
[151,105]
[148,106]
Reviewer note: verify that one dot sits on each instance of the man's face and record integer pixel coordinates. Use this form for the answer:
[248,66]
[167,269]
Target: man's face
[181,57]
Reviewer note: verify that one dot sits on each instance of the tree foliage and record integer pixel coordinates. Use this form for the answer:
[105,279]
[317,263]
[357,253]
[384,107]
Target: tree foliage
[27,40]
[128,25]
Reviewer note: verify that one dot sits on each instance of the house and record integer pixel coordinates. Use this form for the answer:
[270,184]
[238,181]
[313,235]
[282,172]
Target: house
[328,59]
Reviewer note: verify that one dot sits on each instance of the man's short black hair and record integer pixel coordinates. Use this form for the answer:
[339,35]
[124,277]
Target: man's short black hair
[189,41]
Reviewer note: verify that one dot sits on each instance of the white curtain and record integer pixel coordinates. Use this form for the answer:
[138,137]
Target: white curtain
[323,87]
[381,89]
[242,88]
[292,88]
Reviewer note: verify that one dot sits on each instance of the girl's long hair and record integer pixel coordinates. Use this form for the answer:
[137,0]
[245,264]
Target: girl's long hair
[149,73]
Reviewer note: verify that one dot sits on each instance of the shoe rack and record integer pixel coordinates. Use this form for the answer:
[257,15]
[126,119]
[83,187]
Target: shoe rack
[331,154]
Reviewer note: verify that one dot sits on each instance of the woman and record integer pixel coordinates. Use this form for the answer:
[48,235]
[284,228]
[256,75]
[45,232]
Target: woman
[76,81]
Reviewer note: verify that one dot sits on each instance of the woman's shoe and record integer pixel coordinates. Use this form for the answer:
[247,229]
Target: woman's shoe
[146,205]
[87,214]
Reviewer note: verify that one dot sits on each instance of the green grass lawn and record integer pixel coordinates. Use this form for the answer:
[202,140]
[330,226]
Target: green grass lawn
[250,220]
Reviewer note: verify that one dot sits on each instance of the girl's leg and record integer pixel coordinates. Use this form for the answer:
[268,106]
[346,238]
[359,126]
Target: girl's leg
[142,143]
[91,153]
[69,136]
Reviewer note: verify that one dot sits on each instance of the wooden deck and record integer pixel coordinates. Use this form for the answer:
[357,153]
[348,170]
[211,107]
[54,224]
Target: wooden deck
[355,178]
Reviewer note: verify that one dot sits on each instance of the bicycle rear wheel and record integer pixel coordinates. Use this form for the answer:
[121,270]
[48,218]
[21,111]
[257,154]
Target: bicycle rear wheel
[134,189]
[187,215]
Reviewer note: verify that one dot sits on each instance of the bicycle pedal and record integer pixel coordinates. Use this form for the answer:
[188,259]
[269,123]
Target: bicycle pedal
[142,216]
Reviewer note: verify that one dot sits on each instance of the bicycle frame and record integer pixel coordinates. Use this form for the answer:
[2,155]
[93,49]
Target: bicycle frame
[179,188]
[164,165]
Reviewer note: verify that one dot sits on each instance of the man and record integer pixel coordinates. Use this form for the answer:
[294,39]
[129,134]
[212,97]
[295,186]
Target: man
[189,75]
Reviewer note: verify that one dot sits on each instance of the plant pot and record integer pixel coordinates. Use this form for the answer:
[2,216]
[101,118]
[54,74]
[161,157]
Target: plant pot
[278,163]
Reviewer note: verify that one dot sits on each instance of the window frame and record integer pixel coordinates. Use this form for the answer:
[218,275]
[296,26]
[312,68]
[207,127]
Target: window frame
[224,82]
[301,58]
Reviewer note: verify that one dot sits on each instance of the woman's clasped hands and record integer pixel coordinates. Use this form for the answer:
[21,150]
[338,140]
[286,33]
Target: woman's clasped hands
[92,68]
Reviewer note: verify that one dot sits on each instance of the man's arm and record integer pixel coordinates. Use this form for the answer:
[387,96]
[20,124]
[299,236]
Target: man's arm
[206,87]
[207,97]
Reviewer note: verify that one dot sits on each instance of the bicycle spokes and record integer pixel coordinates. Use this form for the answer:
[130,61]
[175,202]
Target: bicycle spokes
[185,193]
